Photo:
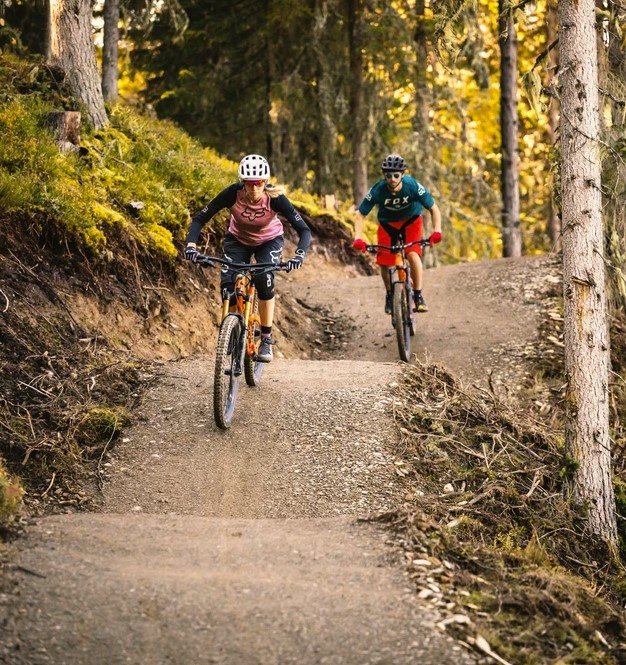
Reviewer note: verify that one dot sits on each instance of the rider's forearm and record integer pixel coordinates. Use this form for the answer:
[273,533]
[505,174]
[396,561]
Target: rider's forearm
[435,215]
[359,225]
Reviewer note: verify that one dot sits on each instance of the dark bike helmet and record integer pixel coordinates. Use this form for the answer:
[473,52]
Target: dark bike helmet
[394,163]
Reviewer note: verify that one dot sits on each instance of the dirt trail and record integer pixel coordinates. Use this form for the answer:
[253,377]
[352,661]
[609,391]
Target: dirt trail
[243,547]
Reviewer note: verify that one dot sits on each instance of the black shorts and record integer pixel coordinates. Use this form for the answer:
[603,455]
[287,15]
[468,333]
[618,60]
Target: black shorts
[269,252]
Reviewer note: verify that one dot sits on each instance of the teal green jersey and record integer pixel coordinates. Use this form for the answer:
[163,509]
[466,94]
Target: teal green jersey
[407,202]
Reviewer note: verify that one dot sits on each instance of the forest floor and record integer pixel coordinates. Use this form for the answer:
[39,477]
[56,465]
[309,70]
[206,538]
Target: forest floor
[248,546]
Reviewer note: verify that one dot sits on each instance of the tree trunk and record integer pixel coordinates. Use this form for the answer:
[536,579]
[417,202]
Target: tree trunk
[509,172]
[65,127]
[110,72]
[586,333]
[554,221]
[422,92]
[612,79]
[327,133]
[358,108]
[71,49]
[274,120]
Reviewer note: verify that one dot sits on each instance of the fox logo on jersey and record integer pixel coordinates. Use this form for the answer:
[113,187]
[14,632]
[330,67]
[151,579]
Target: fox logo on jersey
[252,214]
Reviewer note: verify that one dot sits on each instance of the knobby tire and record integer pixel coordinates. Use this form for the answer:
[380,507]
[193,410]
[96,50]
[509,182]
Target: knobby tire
[402,318]
[226,386]
[410,300]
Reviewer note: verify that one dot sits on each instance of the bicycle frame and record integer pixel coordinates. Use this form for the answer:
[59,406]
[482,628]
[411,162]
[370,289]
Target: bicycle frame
[401,270]
[245,292]
[236,347]
[403,318]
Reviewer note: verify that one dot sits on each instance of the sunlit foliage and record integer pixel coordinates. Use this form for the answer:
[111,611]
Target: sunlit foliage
[138,177]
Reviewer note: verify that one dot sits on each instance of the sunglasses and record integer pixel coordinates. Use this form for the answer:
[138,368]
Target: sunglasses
[393,176]
[254,183]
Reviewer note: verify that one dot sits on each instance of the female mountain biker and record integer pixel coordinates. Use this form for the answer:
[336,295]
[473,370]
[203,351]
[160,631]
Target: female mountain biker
[400,199]
[254,230]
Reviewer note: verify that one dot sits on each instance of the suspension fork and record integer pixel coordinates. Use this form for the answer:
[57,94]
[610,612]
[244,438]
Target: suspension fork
[247,305]
[241,309]
[244,291]
[403,269]
[251,317]
[225,306]
[239,293]
[397,274]
[409,284]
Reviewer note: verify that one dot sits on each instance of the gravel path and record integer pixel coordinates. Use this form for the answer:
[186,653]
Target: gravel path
[312,441]
[244,547]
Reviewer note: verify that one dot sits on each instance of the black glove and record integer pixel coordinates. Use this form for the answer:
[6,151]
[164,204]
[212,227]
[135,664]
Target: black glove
[191,254]
[295,263]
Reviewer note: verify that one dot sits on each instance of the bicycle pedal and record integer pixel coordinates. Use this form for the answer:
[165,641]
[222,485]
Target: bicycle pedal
[228,372]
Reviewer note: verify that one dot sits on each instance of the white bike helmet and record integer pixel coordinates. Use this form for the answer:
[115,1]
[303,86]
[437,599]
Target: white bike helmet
[254,167]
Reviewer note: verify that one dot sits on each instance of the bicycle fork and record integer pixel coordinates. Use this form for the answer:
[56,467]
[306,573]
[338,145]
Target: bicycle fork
[239,352]
[237,348]
[239,303]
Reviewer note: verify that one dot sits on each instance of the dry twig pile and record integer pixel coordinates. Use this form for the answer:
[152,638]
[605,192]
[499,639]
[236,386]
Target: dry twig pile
[490,520]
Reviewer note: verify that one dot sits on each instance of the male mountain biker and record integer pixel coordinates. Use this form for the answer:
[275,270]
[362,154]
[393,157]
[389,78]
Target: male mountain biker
[254,229]
[400,199]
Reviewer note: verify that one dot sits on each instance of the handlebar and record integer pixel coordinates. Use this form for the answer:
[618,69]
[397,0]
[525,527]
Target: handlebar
[397,248]
[205,261]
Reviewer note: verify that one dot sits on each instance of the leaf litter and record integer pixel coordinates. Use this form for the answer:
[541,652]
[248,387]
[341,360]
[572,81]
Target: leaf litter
[489,536]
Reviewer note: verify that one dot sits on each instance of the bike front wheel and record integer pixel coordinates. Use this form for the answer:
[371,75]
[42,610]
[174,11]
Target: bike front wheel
[402,317]
[227,372]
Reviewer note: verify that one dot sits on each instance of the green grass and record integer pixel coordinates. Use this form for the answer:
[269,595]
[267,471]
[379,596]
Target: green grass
[87,196]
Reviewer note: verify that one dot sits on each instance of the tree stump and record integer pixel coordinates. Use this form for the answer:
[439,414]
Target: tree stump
[330,202]
[65,127]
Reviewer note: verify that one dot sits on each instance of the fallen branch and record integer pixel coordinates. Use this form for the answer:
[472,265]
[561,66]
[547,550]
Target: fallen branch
[6,307]
[54,475]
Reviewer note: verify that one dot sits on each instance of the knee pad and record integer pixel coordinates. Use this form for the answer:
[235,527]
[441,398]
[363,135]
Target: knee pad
[265,286]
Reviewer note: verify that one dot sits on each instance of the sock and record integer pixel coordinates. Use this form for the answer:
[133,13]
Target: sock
[266,331]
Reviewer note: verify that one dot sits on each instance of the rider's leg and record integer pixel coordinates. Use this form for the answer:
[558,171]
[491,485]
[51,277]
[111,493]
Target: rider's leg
[416,277]
[266,312]
[417,270]
[269,252]
[413,233]
[385,260]
[233,251]
[384,273]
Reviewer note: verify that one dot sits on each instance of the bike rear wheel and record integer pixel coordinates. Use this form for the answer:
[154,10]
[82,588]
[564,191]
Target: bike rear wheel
[226,383]
[402,317]
[408,287]
[253,370]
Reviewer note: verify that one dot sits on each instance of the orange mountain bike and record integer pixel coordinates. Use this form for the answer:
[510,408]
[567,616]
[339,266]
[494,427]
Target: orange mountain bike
[402,314]
[239,337]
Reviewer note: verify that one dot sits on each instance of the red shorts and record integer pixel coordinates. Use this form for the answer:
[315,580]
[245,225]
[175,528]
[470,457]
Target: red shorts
[412,233]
